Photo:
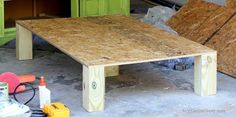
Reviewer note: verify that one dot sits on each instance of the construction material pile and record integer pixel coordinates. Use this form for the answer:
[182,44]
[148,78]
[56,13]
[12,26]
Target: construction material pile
[211,25]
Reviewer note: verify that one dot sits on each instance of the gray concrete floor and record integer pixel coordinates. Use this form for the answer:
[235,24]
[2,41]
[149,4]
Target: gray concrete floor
[141,90]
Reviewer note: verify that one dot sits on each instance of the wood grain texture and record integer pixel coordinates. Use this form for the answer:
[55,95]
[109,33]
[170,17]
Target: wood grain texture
[199,20]
[93,88]
[205,71]
[191,16]
[205,31]
[216,31]
[112,40]
[224,42]
[24,44]
[231,3]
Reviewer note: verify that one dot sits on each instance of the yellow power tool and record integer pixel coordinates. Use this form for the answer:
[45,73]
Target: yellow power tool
[56,109]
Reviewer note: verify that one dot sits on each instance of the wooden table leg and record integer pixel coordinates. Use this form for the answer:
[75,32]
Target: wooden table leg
[24,44]
[205,73]
[111,71]
[93,88]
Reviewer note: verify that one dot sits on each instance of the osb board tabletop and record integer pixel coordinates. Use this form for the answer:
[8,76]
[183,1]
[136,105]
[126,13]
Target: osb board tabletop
[112,40]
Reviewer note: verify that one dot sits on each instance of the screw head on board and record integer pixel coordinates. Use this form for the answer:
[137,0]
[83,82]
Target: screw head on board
[94,85]
[209,59]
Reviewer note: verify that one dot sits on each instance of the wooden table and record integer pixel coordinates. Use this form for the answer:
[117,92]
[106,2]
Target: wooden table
[110,41]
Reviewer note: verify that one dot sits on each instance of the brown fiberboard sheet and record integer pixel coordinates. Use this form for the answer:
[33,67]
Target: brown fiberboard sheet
[224,42]
[211,25]
[217,30]
[199,20]
[231,3]
[113,40]
[191,16]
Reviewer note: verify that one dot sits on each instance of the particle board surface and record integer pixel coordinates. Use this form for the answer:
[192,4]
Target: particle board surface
[205,31]
[112,40]
[199,20]
[224,42]
[191,16]
[216,30]
[231,3]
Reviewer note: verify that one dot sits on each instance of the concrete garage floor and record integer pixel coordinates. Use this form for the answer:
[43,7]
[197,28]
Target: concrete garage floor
[142,90]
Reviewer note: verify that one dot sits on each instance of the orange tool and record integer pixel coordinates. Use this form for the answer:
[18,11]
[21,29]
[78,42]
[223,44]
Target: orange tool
[13,81]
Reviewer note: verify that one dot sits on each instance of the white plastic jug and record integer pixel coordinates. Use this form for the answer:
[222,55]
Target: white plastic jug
[44,93]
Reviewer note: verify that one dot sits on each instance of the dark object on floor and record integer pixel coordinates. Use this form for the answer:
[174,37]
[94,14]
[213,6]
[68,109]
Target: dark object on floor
[181,67]
[171,64]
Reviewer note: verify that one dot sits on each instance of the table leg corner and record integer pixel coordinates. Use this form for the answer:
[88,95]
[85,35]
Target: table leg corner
[93,88]
[24,43]
[205,74]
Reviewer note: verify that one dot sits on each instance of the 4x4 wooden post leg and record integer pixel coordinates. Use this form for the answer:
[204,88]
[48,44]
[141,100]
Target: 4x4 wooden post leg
[205,74]
[93,88]
[112,71]
[24,43]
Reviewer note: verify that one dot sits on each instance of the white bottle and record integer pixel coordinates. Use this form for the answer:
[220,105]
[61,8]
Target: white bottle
[44,93]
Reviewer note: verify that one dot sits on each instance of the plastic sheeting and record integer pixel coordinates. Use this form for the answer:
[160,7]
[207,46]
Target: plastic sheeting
[158,15]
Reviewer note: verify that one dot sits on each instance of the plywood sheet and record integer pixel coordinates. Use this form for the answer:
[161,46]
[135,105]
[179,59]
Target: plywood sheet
[199,20]
[231,3]
[191,16]
[224,42]
[211,25]
[112,40]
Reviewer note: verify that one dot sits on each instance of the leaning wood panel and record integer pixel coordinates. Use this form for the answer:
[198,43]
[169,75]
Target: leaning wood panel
[212,24]
[199,20]
[112,40]
[231,3]
[224,42]
[191,16]
[210,31]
